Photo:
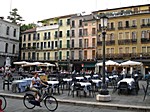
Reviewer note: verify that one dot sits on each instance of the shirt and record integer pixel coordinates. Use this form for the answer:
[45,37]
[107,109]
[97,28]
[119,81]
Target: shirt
[36,80]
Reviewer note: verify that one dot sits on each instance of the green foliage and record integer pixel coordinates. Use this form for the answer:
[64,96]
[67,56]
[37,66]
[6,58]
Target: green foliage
[25,27]
[14,16]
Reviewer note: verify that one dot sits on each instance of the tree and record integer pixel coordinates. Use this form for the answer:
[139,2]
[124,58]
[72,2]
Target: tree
[25,27]
[14,16]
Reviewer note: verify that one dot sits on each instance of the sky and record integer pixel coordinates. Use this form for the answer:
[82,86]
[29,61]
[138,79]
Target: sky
[35,10]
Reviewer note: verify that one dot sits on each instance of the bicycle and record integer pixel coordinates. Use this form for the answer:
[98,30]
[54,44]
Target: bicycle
[50,102]
[4,102]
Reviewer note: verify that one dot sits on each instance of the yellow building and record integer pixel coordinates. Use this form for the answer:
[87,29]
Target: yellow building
[128,34]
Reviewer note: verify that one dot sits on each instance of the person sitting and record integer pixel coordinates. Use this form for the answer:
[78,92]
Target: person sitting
[35,86]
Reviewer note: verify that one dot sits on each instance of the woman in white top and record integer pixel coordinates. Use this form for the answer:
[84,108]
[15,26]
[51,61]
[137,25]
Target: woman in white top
[36,84]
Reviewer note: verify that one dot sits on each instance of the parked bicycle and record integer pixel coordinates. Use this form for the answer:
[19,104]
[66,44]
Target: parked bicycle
[50,102]
[4,102]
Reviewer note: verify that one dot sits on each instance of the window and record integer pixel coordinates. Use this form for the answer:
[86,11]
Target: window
[60,44]
[133,49]
[14,34]
[72,54]
[68,43]
[93,31]
[112,36]
[6,47]
[38,36]
[29,56]
[85,32]
[127,24]
[48,55]
[143,21]
[93,54]
[44,44]
[68,33]
[34,44]
[49,44]
[85,43]
[29,45]
[33,55]
[67,54]
[126,49]
[148,49]
[148,34]
[45,56]
[52,45]
[72,43]
[80,55]
[80,32]
[45,35]
[34,36]
[127,36]
[85,24]
[85,54]
[80,23]
[73,33]
[133,35]
[112,51]
[23,56]
[7,30]
[93,42]
[41,45]
[56,56]
[37,56]
[80,43]
[68,21]
[143,49]
[60,34]
[37,45]
[56,34]
[143,34]
[29,37]
[112,25]
[120,36]
[107,51]
[56,44]
[120,24]
[49,35]
[73,23]
[60,23]
[133,22]
[24,38]
[60,55]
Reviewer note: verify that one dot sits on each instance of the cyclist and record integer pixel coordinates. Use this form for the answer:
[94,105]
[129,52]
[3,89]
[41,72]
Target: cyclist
[36,85]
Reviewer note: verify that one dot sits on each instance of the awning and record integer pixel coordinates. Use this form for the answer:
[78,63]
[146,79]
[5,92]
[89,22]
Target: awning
[87,65]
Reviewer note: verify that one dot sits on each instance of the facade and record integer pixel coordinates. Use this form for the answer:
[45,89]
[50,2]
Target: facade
[76,42]
[9,42]
[128,34]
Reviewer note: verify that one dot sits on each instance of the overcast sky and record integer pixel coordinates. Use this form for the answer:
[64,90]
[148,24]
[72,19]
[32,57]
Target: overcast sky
[34,10]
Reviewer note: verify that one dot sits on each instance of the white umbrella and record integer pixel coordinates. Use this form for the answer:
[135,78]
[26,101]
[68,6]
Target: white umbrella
[49,64]
[108,63]
[20,63]
[131,63]
[33,64]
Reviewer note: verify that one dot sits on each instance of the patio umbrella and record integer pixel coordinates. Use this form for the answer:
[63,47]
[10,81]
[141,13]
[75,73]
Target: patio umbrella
[131,63]
[108,63]
[20,63]
[33,64]
[46,64]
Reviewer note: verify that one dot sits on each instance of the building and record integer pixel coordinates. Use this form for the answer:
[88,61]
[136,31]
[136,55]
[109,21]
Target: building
[75,41]
[128,34]
[9,42]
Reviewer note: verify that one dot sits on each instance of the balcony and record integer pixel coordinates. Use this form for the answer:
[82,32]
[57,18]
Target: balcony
[124,42]
[120,28]
[110,29]
[145,40]
[110,42]
[145,25]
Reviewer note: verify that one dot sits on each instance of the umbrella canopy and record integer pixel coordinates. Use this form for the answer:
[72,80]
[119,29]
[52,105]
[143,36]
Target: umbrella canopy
[20,63]
[46,64]
[108,63]
[33,64]
[131,63]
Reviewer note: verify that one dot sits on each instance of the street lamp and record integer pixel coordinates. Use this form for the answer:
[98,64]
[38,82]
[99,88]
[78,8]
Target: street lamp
[104,93]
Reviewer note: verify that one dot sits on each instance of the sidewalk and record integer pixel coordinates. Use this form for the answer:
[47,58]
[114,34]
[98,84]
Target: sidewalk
[118,101]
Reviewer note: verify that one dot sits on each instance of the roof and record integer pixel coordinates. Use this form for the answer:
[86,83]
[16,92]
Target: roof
[121,8]
[30,30]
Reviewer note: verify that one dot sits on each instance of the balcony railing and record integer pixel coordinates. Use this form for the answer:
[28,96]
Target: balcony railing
[110,42]
[145,40]
[145,25]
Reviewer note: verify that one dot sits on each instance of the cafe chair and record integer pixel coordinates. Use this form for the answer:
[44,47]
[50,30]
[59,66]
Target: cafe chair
[123,88]
[78,89]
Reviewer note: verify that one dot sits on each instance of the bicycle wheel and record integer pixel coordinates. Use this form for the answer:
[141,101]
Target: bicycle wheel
[27,101]
[4,103]
[51,103]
